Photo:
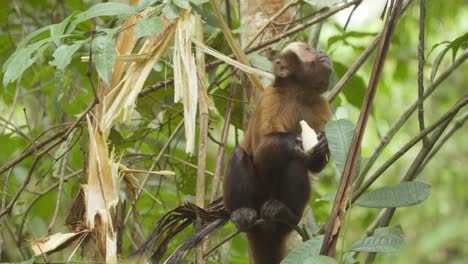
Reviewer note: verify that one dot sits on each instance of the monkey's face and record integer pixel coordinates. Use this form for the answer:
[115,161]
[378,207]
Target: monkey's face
[304,65]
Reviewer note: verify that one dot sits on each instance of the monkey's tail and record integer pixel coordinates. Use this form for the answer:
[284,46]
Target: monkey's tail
[266,246]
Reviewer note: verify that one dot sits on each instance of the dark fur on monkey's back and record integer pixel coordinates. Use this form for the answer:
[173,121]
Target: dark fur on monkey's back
[266,177]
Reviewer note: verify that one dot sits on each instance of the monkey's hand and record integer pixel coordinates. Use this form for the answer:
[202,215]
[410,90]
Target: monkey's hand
[321,149]
[319,157]
[244,218]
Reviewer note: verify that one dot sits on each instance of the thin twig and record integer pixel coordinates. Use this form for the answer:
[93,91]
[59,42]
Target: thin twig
[156,161]
[457,124]
[271,19]
[354,68]
[222,146]
[404,117]
[30,151]
[36,199]
[412,172]
[63,165]
[448,115]
[221,243]
[9,207]
[421,60]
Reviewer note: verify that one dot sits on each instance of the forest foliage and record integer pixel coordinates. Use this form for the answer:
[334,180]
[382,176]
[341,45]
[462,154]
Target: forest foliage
[53,52]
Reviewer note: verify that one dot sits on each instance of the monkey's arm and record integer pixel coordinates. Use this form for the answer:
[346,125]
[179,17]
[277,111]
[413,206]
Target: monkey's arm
[239,189]
[275,151]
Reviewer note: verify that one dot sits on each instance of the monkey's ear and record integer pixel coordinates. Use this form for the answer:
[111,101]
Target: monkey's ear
[280,68]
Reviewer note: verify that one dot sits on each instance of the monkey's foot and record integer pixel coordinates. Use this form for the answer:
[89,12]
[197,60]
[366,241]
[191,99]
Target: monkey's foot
[244,218]
[276,210]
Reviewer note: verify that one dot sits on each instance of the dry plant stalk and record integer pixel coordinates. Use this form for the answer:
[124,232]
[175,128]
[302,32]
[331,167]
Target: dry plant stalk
[95,208]
[185,77]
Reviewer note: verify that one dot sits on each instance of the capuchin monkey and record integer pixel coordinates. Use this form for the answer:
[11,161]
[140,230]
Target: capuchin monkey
[266,177]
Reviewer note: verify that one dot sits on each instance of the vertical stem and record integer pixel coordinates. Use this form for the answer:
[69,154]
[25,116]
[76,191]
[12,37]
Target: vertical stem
[344,189]
[421,60]
[204,117]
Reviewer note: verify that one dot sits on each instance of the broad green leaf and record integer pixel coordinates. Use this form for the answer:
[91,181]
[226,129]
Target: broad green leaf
[348,259]
[149,26]
[401,195]
[308,252]
[104,54]
[21,60]
[340,134]
[63,55]
[170,11]
[355,89]
[104,9]
[198,2]
[260,61]
[182,3]
[31,36]
[58,30]
[385,240]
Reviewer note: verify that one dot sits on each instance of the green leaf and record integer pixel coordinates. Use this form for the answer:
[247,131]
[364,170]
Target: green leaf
[104,9]
[385,240]
[63,55]
[437,62]
[28,261]
[455,45]
[21,60]
[104,54]
[198,2]
[355,88]
[340,134]
[31,36]
[207,16]
[400,195]
[182,3]
[308,252]
[170,11]
[57,31]
[149,26]
[260,61]
[241,29]
[59,84]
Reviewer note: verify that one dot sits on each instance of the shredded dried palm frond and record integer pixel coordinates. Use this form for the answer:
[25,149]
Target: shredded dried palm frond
[208,50]
[185,77]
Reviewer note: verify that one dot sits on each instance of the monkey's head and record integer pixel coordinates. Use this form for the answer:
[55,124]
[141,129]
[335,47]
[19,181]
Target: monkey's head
[302,64]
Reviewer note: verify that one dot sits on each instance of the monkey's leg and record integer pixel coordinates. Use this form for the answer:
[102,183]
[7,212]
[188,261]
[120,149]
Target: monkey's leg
[240,190]
[293,192]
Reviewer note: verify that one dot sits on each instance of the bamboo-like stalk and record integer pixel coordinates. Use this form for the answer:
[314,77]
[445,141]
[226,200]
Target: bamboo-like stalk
[204,118]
